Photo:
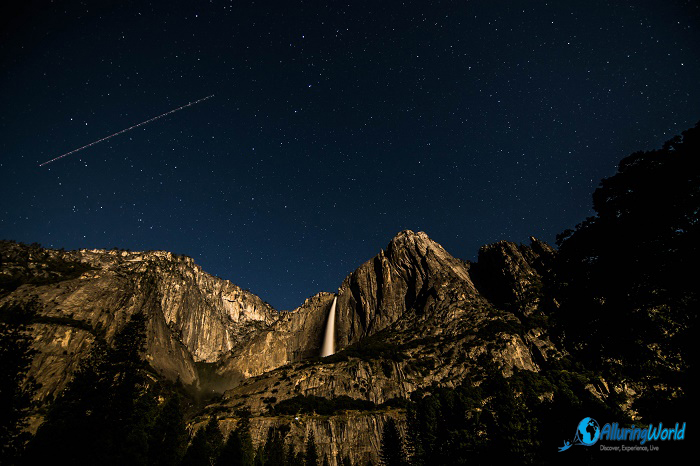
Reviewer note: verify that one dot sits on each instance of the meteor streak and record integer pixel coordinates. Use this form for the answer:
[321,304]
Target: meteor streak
[125,130]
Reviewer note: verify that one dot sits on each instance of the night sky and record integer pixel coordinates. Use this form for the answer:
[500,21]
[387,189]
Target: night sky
[331,128]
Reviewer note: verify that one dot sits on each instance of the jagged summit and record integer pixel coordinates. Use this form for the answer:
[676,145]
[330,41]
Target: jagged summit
[418,242]
[409,250]
[411,235]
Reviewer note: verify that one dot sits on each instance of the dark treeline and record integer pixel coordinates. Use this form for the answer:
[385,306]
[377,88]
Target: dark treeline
[16,389]
[500,420]
[112,412]
[208,447]
[628,296]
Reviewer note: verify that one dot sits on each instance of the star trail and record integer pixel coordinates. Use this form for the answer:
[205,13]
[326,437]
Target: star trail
[125,130]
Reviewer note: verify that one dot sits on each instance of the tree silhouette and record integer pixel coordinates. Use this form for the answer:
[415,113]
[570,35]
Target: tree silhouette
[274,446]
[206,445]
[311,455]
[16,389]
[243,431]
[295,458]
[259,456]
[445,427]
[628,302]
[168,434]
[238,449]
[392,452]
[103,415]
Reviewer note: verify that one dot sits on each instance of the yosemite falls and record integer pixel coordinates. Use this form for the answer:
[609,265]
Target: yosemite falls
[328,347]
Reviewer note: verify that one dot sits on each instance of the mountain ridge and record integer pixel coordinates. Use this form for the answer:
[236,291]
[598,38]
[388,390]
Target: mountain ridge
[408,318]
[372,297]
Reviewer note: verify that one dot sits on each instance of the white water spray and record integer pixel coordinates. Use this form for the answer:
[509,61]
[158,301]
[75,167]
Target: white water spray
[328,347]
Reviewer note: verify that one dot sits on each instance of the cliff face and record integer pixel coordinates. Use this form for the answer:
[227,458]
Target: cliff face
[410,317]
[296,335]
[407,319]
[411,272]
[382,289]
[192,316]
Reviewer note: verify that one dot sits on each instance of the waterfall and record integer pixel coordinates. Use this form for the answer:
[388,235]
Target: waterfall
[328,347]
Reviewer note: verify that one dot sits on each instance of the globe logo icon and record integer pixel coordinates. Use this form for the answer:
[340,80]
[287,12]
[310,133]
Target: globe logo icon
[588,431]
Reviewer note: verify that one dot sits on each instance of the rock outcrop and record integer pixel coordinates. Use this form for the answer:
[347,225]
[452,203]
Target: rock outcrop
[382,289]
[510,275]
[87,294]
[295,336]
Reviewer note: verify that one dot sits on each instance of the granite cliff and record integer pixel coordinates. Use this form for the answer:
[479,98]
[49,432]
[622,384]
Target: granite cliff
[88,294]
[412,317]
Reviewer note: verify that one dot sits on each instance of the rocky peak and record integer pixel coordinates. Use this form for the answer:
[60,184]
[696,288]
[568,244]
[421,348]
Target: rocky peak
[510,275]
[408,238]
[545,253]
[383,288]
[408,250]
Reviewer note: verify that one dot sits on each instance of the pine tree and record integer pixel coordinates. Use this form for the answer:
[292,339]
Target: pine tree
[238,450]
[294,458]
[232,451]
[206,445]
[259,456]
[79,412]
[246,439]
[101,417]
[132,404]
[16,389]
[311,456]
[274,453]
[392,452]
[511,428]
[167,435]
